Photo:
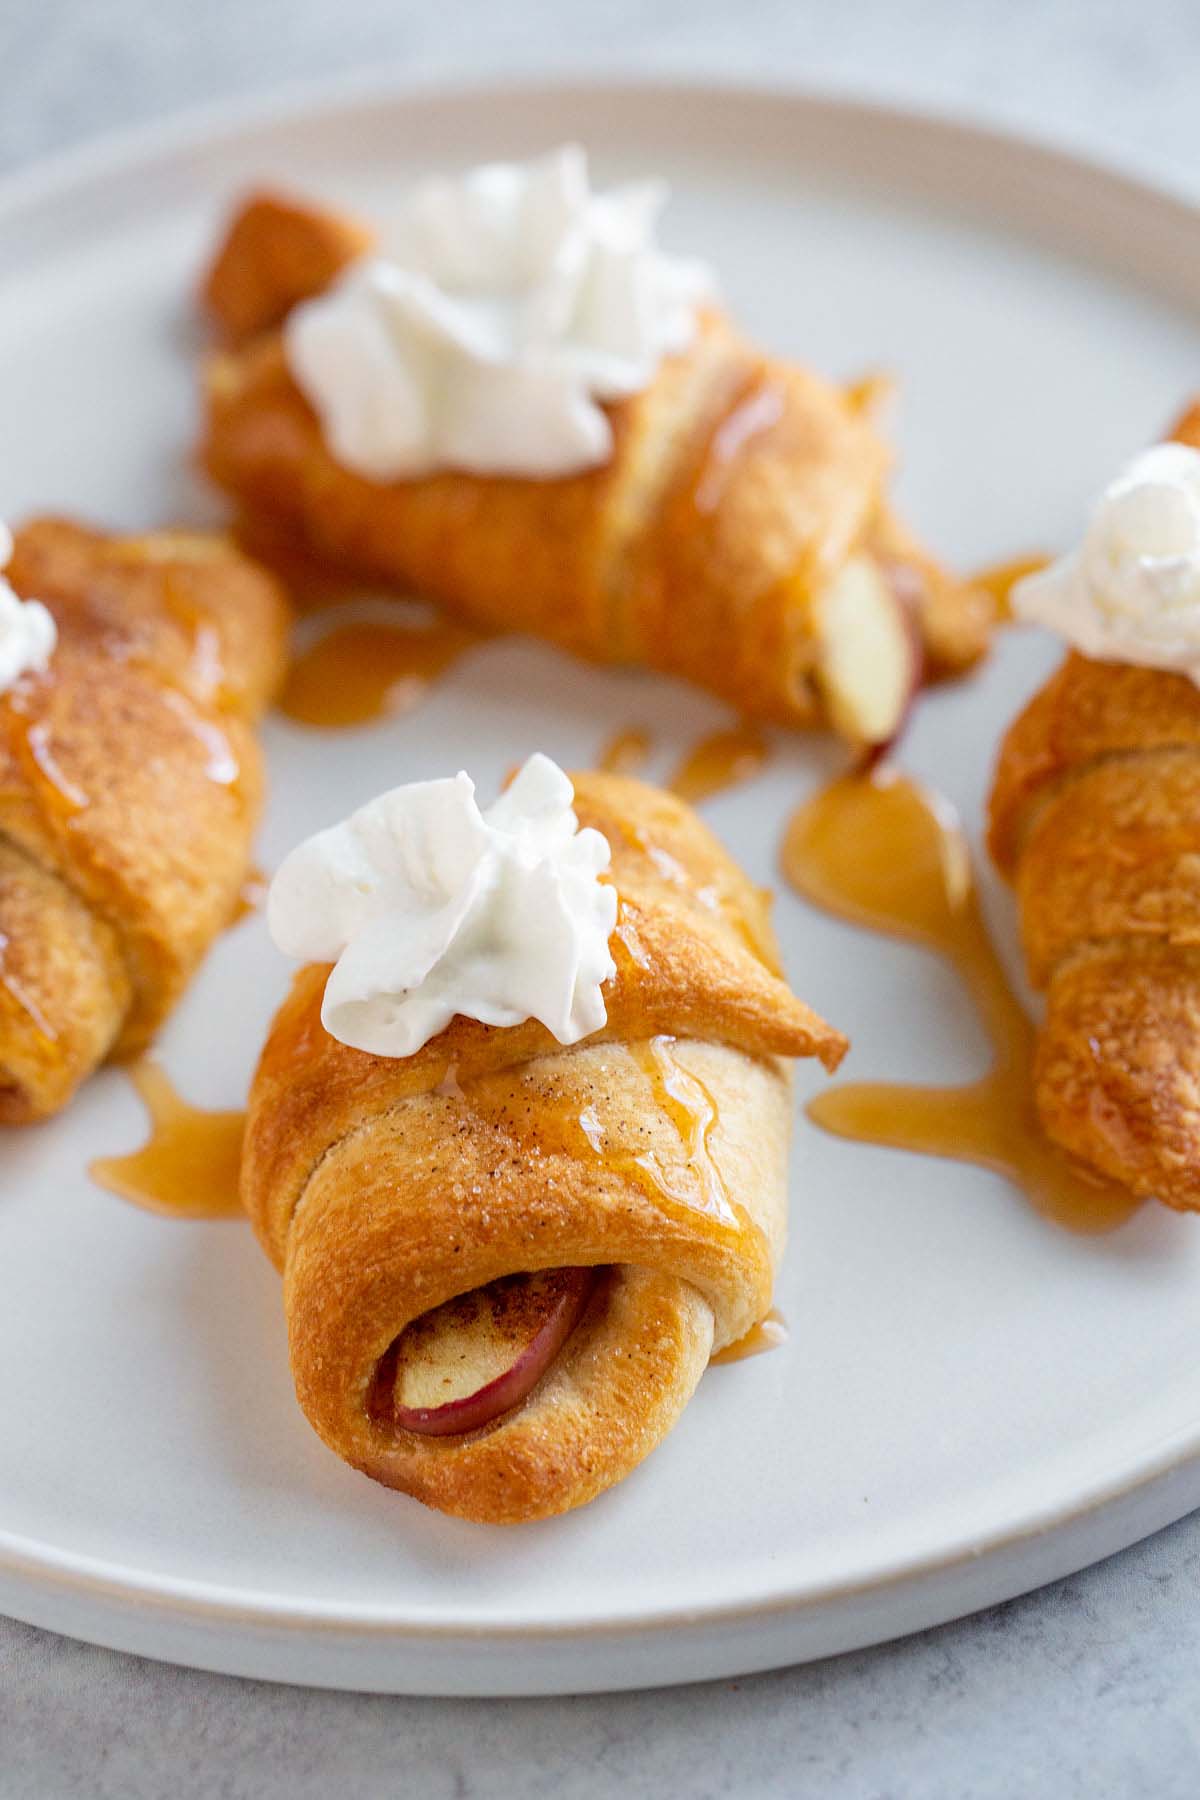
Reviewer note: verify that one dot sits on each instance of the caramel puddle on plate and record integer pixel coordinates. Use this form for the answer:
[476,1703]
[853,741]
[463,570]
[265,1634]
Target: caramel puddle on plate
[190,1164]
[999,579]
[768,1334]
[625,753]
[888,855]
[369,669]
[720,760]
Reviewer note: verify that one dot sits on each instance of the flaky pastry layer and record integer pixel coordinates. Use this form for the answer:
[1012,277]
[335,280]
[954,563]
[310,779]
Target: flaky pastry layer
[1095,818]
[655,1151]
[130,785]
[738,488]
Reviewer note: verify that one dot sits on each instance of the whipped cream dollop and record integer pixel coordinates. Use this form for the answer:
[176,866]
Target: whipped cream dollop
[1131,592]
[510,302]
[428,907]
[28,633]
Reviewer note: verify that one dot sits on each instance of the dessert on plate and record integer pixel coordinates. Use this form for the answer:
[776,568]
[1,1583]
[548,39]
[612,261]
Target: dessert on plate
[518,1138]
[1095,818]
[131,671]
[519,406]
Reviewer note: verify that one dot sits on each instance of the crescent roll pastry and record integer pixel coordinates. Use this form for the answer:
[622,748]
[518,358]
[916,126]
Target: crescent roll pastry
[130,783]
[1095,819]
[506,1262]
[739,534]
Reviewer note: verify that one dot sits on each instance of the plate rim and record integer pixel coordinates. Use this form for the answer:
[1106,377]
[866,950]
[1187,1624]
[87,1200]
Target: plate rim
[210,1602]
[31,1567]
[111,152]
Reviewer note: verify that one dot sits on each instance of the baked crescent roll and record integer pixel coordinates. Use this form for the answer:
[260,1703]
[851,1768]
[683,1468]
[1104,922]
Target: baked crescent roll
[552,1241]
[1095,818]
[739,534]
[130,783]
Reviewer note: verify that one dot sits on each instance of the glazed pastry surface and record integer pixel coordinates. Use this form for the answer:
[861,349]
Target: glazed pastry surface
[654,1152]
[739,488]
[130,785]
[1095,818]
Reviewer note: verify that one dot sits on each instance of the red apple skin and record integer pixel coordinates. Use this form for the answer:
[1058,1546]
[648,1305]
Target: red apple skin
[507,1390]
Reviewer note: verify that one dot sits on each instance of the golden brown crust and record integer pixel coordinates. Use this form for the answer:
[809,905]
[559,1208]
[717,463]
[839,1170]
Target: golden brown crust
[64,989]
[722,583]
[130,783]
[1113,854]
[186,604]
[956,619]
[277,251]
[1186,429]
[615,1390]
[1117,1074]
[737,489]
[1095,818]
[656,1149]
[1087,710]
[695,957]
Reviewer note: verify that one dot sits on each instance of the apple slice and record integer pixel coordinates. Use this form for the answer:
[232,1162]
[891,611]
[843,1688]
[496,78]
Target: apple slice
[465,1363]
[870,657]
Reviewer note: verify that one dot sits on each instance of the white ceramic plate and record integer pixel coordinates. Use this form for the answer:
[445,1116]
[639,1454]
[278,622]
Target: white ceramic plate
[971,1401]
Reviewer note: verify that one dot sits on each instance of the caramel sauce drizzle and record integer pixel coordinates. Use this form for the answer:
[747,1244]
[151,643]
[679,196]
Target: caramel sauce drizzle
[885,854]
[871,393]
[36,756]
[626,752]
[629,939]
[21,997]
[30,736]
[724,759]
[206,657]
[769,1334]
[720,760]
[370,669]
[190,1165]
[222,765]
[753,414]
[692,1109]
[563,1122]
[999,579]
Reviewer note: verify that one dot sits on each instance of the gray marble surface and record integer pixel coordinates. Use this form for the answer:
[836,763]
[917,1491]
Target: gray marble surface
[1090,1688]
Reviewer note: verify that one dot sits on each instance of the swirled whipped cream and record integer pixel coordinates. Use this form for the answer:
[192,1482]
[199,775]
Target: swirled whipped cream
[511,302]
[428,907]
[28,633]
[1131,592]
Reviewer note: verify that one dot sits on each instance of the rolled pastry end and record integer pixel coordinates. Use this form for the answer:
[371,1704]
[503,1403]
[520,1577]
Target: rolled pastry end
[1117,1074]
[506,1261]
[465,1364]
[64,990]
[203,613]
[646,1265]
[612,1390]
[276,252]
